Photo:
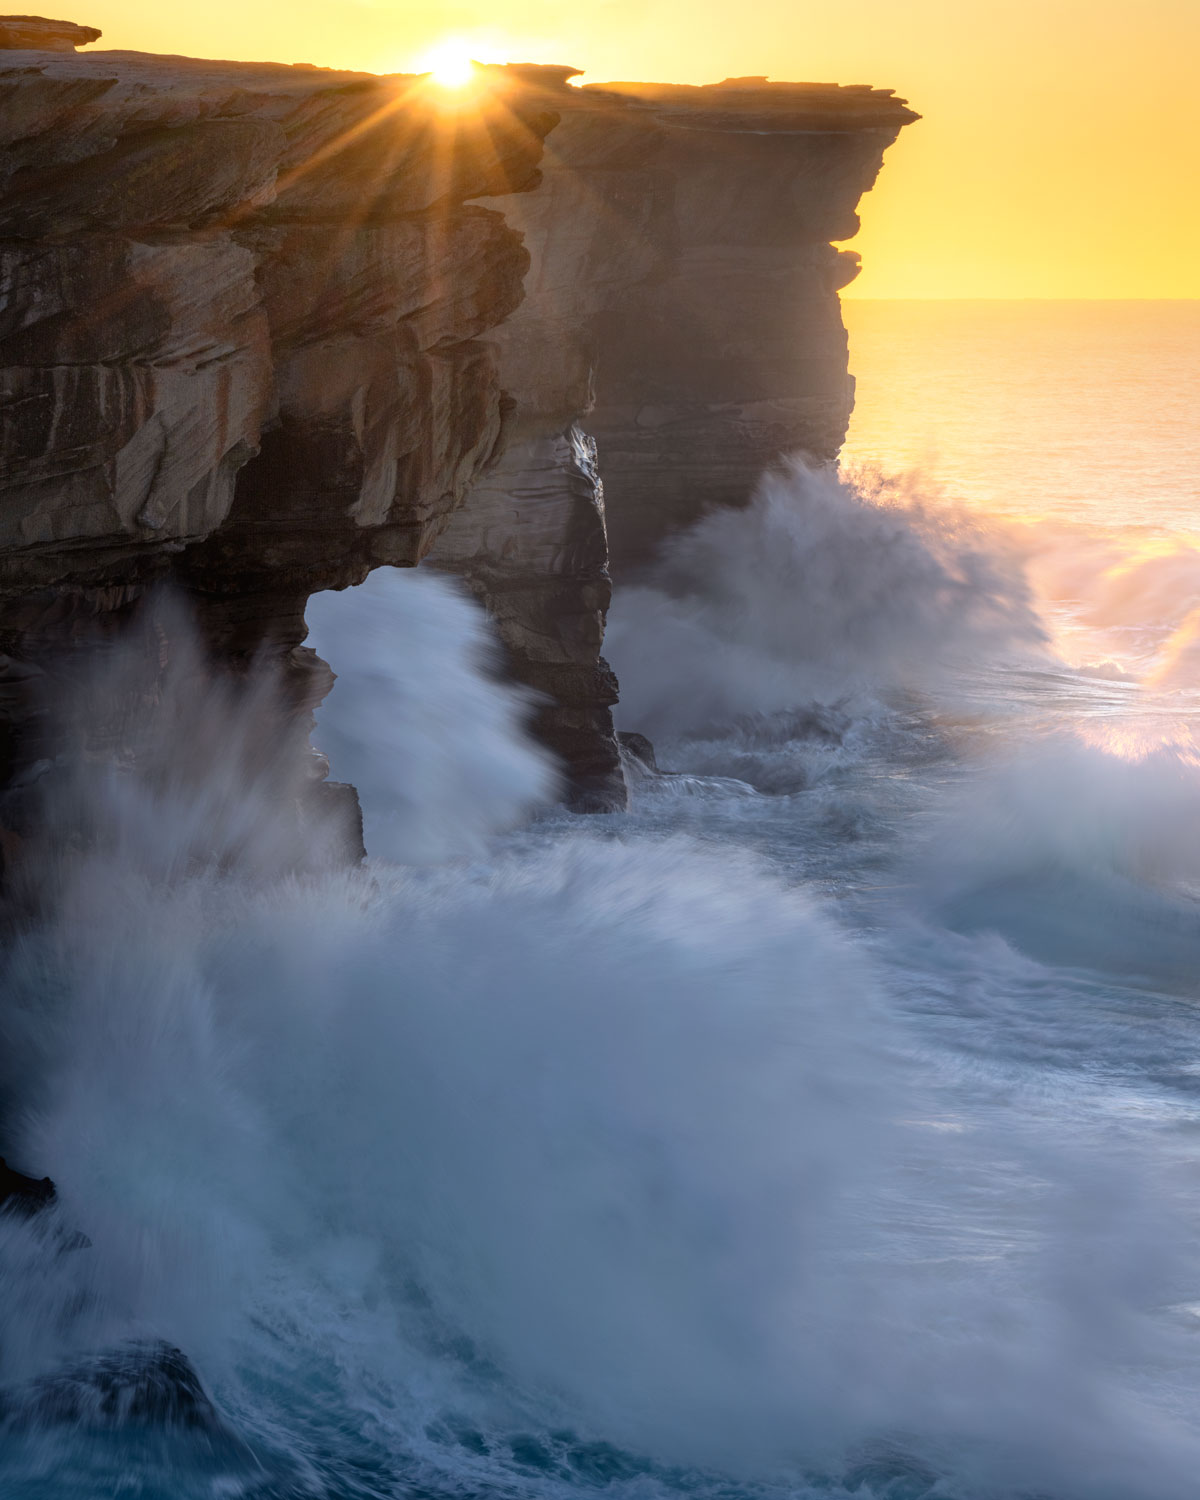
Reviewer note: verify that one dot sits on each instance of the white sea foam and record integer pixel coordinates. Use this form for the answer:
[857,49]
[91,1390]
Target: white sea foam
[614,1137]
[821,588]
[417,721]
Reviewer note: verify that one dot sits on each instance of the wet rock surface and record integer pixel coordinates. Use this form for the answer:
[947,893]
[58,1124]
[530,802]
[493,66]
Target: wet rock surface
[637,748]
[24,1196]
[150,1384]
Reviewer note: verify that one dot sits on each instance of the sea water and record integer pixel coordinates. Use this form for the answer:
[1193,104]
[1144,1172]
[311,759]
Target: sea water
[828,1124]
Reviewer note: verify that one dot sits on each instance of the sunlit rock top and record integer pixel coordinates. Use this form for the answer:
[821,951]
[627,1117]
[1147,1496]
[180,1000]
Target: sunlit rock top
[759,104]
[36,33]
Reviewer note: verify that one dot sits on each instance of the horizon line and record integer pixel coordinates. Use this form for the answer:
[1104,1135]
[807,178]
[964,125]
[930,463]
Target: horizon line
[1019,299]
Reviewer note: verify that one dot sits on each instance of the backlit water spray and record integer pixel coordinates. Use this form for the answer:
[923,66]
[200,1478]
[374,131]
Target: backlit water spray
[789,1135]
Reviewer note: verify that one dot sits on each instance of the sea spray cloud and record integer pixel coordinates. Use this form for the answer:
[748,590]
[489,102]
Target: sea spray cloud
[168,764]
[821,587]
[1124,600]
[417,720]
[1078,848]
[615,1148]
[616,1138]
[586,1110]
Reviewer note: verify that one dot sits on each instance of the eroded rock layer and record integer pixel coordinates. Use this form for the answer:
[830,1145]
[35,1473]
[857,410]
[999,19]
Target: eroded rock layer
[241,311]
[682,307]
[264,328]
[731,351]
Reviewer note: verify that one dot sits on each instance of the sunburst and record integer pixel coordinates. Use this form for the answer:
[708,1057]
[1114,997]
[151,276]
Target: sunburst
[450,65]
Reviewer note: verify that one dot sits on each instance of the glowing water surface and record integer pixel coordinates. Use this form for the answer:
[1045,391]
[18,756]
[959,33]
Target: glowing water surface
[827,1125]
[1083,411]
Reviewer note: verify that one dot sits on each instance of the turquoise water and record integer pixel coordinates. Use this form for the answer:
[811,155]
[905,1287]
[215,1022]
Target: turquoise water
[828,1125]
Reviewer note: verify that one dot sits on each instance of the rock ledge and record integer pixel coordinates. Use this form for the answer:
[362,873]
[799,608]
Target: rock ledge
[36,33]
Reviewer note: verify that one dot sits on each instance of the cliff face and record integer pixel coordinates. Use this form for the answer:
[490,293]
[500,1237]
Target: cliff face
[265,328]
[682,307]
[731,351]
[240,320]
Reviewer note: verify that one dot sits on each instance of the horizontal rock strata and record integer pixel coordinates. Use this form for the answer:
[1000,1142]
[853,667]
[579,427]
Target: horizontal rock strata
[682,306]
[241,320]
[264,328]
[24,33]
[731,351]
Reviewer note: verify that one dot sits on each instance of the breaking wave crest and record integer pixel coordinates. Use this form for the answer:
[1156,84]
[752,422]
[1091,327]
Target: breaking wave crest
[824,586]
[606,1159]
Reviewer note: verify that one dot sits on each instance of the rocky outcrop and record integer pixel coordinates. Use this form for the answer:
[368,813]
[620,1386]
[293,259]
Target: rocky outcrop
[731,352]
[682,306]
[265,328]
[241,320]
[21,33]
[143,1384]
[530,543]
[24,1196]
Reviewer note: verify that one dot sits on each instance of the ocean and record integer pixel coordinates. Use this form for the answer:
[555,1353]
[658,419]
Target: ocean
[1079,411]
[827,1125]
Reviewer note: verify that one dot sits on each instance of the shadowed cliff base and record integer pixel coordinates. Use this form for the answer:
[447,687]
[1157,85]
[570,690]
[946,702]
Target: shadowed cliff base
[266,328]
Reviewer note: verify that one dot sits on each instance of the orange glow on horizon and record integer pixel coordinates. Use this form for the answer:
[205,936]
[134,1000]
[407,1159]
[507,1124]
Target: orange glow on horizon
[1057,156]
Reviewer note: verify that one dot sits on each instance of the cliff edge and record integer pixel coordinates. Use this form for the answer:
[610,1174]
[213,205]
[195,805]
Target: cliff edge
[242,312]
[681,330]
[265,328]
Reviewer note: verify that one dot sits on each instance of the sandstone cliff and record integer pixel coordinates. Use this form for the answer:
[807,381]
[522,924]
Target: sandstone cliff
[263,328]
[682,307]
[241,312]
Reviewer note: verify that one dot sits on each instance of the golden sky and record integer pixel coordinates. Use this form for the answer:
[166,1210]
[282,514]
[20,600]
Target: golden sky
[1059,155]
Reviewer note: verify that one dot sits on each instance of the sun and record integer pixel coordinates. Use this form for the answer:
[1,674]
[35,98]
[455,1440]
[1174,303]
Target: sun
[450,64]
